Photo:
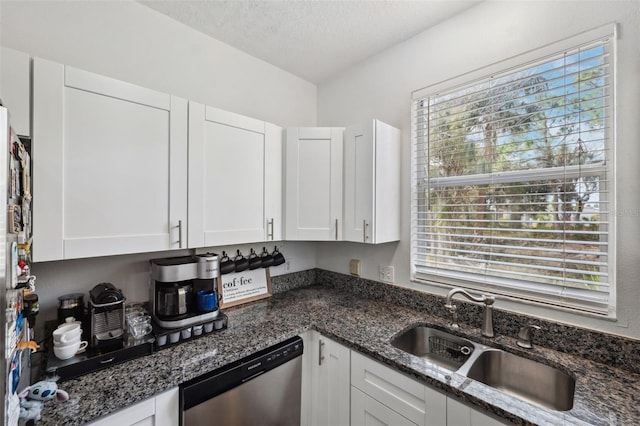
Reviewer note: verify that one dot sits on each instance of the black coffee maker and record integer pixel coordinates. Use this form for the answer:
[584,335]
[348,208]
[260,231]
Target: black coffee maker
[175,281]
[106,316]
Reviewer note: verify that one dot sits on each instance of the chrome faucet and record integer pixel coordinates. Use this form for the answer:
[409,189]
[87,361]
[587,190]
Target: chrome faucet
[486,299]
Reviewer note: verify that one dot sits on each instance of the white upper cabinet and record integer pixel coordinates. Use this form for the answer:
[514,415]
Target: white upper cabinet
[235,178]
[372,183]
[313,183]
[15,92]
[110,166]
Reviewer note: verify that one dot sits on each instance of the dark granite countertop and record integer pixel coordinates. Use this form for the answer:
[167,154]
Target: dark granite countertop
[604,395]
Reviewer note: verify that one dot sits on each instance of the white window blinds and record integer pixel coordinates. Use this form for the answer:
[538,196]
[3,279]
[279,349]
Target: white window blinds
[513,181]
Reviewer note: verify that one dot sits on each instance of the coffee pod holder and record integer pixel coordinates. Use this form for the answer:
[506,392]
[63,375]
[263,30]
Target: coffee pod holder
[165,338]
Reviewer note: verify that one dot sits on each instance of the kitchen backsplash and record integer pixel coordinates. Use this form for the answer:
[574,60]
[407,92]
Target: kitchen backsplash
[601,347]
[287,282]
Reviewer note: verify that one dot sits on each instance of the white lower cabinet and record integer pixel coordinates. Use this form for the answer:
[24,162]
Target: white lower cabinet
[367,411]
[161,410]
[415,402]
[330,382]
[459,414]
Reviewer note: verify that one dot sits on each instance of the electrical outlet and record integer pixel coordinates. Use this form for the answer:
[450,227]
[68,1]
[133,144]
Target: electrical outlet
[355,267]
[386,274]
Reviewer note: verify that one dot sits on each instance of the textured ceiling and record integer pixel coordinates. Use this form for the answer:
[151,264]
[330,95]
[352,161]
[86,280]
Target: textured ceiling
[313,39]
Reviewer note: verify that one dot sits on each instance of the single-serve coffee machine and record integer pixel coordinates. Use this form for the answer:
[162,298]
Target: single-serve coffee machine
[175,282]
[106,316]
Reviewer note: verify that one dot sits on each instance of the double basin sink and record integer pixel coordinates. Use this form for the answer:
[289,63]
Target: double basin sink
[511,374]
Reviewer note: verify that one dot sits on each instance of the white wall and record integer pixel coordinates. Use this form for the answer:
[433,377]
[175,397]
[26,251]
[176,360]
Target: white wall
[128,41]
[491,32]
[131,42]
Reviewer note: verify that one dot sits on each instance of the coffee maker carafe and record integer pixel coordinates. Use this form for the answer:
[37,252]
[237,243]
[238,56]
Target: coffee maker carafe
[174,300]
[174,283]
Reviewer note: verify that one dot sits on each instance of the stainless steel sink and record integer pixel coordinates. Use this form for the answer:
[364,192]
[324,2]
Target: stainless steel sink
[511,374]
[435,346]
[523,378]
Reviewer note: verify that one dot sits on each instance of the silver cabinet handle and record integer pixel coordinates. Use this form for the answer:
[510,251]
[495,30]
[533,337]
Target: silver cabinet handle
[364,230]
[179,234]
[320,354]
[270,229]
[336,229]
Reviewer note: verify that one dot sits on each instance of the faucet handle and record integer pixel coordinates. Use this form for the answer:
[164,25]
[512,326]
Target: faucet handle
[524,335]
[489,299]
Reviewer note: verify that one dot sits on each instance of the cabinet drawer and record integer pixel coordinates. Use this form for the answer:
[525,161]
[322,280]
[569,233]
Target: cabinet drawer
[366,411]
[402,394]
[137,413]
[460,414]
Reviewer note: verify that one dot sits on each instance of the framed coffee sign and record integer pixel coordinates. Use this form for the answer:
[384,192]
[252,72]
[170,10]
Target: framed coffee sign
[245,286]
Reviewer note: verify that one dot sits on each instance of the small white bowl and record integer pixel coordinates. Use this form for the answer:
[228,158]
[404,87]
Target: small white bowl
[66,334]
[68,351]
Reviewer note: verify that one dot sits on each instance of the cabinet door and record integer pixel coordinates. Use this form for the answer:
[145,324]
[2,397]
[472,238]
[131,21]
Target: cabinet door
[15,91]
[231,176]
[388,155]
[138,414]
[359,181]
[167,408]
[161,410]
[330,381]
[309,339]
[459,414]
[313,183]
[413,400]
[372,183]
[110,166]
[273,183]
[366,411]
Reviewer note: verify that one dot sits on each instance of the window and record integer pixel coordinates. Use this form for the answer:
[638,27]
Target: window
[513,180]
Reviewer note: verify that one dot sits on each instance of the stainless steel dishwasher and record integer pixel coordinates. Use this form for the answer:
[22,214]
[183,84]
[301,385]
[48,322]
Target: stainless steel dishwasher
[261,389]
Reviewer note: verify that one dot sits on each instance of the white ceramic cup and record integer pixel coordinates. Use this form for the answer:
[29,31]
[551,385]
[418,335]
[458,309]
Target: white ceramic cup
[66,334]
[68,351]
[67,339]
